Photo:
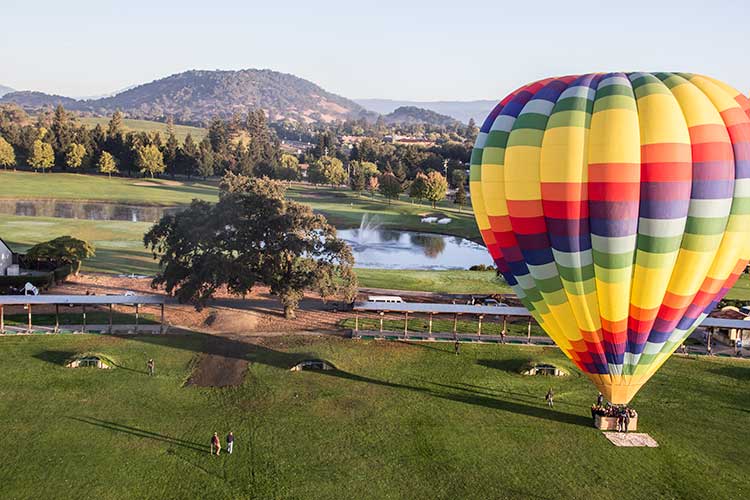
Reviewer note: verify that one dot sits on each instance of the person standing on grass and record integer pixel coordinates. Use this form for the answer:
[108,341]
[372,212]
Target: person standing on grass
[230,442]
[457,347]
[626,419]
[215,444]
[550,398]
[151,368]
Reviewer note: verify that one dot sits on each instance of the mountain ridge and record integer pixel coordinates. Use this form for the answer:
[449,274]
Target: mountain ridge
[200,95]
[460,110]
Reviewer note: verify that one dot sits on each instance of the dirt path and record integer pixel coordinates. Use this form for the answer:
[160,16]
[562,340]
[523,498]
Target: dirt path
[224,364]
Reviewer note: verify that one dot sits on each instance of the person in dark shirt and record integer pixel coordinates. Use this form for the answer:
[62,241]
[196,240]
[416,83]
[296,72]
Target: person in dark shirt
[457,347]
[599,399]
[230,442]
[550,398]
[626,420]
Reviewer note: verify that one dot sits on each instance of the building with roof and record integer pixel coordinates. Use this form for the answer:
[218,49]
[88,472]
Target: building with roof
[6,258]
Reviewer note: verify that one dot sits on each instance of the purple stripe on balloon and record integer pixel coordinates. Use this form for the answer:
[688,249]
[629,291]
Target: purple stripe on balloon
[669,209]
[713,190]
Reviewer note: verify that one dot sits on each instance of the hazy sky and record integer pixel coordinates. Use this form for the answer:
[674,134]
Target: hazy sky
[456,50]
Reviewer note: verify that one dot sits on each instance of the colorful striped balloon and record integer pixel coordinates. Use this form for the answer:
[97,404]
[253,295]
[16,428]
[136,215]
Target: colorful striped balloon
[617,206]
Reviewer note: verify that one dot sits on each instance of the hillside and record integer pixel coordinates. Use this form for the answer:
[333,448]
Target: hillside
[460,110]
[5,90]
[411,114]
[130,124]
[31,101]
[198,96]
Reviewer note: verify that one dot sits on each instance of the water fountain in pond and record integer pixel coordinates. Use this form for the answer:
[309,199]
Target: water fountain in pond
[369,230]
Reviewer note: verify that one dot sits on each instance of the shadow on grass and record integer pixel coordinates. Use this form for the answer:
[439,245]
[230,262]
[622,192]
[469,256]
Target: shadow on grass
[506,365]
[141,433]
[735,372]
[238,348]
[61,358]
[55,357]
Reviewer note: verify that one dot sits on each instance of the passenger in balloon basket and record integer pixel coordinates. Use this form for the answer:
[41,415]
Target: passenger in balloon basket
[623,414]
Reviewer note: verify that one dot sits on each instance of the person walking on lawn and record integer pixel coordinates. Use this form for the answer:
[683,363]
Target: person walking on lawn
[215,444]
[550,397]
[230,442]
[151,367]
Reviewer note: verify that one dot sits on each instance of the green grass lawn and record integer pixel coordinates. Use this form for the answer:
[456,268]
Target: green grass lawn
[395,421]
[62,186]
[131,125]
[119,245]
[454,281]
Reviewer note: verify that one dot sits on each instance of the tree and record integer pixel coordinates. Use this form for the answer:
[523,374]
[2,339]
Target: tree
[361,173]
[327,170]
[357,179]
[115,127]
[459,180]
[373,184]
[150,160]
[436,186]
[107,164]
[252,236]
[64,250]
[288,168]
[205,159]
[189,156]
[7,154]
[42,156]
[389,186]
[418,188]
[75,155]
[170,149]
[61,135]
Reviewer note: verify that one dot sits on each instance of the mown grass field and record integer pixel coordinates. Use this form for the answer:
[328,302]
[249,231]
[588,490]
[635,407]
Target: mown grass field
[131,125]
[62,186]
[395,421]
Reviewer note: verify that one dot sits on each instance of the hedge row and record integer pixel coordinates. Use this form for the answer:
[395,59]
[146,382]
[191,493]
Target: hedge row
[41,281]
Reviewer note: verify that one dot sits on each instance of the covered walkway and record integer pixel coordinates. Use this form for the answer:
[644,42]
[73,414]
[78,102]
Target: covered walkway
[29,302]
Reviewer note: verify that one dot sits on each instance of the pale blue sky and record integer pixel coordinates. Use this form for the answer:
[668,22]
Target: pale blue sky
[389,49]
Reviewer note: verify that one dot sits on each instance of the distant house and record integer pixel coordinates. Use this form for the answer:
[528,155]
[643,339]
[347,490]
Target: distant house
[6,257]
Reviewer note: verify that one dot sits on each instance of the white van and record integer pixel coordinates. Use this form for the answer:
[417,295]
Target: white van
[390,299]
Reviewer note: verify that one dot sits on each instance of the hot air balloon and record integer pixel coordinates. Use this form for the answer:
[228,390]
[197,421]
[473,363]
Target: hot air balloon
[617,206]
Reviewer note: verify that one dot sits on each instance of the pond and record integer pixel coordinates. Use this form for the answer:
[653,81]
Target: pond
[373,247]
[93,210]
[377,248]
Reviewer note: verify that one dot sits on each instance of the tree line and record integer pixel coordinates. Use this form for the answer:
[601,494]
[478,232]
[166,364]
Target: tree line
[246,145]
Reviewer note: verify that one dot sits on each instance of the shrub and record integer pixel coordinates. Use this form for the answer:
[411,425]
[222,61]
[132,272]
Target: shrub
[481,267]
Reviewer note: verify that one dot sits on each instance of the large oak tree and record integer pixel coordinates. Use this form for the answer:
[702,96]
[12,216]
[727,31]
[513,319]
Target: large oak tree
[252,236]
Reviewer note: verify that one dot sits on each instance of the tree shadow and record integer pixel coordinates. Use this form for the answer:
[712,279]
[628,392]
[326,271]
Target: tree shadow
[735,372]
[239,348]
[506,365]
[141,433]
[55,357]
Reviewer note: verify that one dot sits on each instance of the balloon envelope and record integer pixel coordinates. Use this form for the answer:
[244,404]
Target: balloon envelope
[617,206]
